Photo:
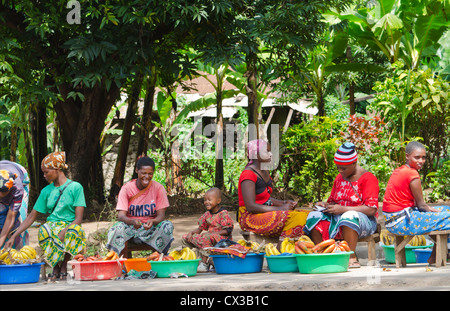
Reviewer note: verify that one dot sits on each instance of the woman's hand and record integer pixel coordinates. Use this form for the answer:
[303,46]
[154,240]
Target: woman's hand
[335,209]
[62,234]
[136,223]
[148,224]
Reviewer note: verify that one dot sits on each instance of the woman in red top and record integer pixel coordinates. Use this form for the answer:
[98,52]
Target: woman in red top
[350,212]
[404,208]
[259,212]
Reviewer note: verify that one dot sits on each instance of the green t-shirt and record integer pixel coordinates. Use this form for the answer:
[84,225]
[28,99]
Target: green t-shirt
[72,196]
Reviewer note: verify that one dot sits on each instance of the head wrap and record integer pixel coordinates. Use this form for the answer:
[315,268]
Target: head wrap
[55,160]
[6,180]
[346,154]
[253,147]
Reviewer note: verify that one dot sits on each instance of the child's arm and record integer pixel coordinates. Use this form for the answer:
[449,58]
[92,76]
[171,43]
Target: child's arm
[197,231]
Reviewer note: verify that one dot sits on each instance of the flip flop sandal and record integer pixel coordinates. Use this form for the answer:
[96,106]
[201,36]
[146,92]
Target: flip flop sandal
[63,276]
[54,276]
[354,264]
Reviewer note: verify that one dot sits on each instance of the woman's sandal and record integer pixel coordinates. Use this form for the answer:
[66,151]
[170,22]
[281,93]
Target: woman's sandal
[354,263]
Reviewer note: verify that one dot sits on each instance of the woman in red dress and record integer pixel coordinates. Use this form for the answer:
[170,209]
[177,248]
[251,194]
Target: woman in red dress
[259,212]
[351,210]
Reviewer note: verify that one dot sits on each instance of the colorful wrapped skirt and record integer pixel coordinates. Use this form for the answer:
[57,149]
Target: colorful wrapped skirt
[282,224]
[415,222]
[330,225]
[53,248]
[158,237]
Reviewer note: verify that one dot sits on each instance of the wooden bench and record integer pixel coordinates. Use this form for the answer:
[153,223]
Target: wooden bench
[440,237]
[371,240]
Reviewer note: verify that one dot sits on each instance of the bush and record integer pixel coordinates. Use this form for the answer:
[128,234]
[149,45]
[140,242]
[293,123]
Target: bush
[307,162]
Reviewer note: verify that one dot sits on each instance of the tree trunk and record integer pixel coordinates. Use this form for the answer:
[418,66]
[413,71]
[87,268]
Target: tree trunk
[38,122]
[351,85]
[219,180]
[251,90]
[130,118]
[81,126]
[146,120]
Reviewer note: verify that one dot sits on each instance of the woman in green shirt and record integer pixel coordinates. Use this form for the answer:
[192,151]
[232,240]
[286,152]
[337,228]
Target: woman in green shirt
[61,237]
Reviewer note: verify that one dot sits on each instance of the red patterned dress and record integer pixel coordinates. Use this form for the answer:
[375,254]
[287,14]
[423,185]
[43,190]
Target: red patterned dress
[210,224]
[364,191]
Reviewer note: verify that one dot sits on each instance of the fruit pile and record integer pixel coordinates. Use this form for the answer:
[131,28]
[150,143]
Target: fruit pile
[178,254]
[304,245]
[388,239]
[327,246]
[26,254]
[254,246]
[112,255]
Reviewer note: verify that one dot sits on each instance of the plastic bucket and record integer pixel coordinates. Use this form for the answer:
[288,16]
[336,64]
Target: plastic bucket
[165,268]
[97,270]
[281,264]
[227,264]
[323,263]
[137,264]
[20,274]
[389,252]
[422,254]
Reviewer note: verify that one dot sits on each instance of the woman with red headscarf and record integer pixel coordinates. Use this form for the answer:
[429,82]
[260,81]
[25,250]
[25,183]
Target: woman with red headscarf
[351,210]
[258,211]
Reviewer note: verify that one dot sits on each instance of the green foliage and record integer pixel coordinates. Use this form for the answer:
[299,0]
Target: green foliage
[416,104]
[307,162]
[440,183]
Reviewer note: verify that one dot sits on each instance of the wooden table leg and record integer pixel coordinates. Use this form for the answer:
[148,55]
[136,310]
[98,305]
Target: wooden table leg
[441,250]
[400,254]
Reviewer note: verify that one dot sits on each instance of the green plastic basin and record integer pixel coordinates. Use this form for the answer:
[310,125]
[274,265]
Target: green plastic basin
[323,263]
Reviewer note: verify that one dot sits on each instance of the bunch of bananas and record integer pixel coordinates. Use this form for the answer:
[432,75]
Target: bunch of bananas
[271,250]
[418,240]
[388,239]
[253,245]
[288,246]
[25,254]
[183,254]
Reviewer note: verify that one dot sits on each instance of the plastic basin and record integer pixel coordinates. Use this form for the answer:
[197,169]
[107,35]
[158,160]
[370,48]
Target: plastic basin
[20,274]
[227,264]
[137,264]
[323,263]
[165,268]
[281,264]
[389,252]
[97,270]
[422,254]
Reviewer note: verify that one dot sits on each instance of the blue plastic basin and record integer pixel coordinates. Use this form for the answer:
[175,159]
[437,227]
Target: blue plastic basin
[422,255]
[226,264]
[20,274]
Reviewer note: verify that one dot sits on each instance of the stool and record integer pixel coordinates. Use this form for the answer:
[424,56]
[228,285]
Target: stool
[441,247]
[371,240]
[131,246]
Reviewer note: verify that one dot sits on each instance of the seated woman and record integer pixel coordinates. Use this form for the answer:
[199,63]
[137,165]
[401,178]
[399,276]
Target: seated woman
[351,210]
[61,237]
[404,208]
[14,190]
[141,207]
[258,211]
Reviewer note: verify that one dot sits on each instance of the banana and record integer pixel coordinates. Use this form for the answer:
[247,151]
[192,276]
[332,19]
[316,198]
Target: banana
[283,245]
[305,238]
[3,254]
[275,251]
[242,242]
[269,249]
[31,250]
